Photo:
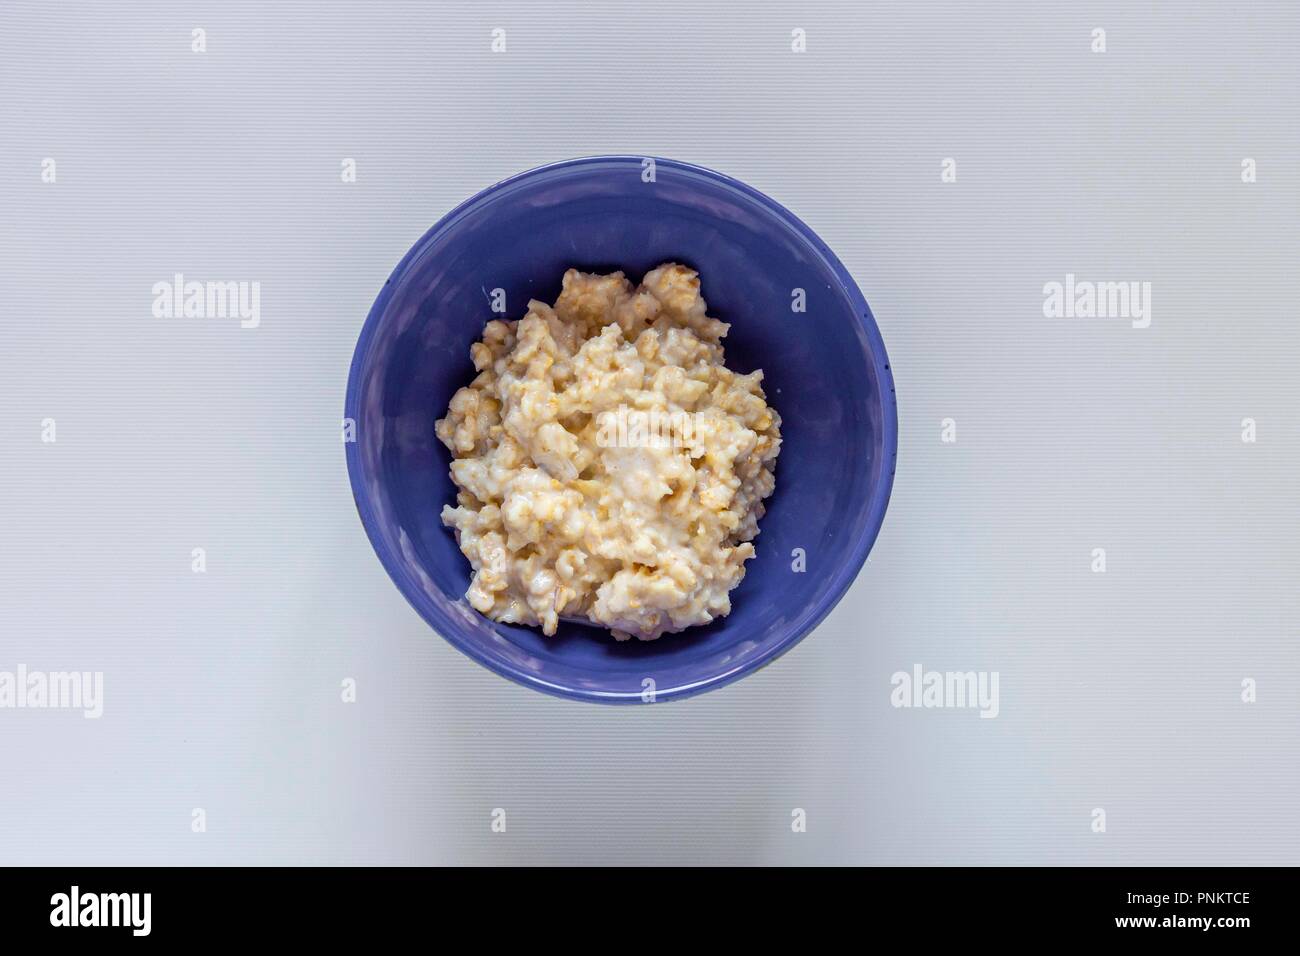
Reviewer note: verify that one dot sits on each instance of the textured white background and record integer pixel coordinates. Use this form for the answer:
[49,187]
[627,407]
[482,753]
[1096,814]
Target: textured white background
[1118,690]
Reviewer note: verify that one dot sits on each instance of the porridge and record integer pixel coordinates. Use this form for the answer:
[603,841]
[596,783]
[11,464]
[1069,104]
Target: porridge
[611,469]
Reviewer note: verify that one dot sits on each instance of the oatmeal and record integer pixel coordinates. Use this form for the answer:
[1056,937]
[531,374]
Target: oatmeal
[611,469]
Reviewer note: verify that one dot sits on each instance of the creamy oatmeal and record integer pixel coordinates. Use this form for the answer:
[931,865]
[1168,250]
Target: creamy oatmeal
[611,468]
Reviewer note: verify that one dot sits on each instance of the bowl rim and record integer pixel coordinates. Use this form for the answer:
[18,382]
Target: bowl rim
[844,575]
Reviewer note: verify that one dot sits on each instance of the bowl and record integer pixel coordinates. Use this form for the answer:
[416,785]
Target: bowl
[825,371]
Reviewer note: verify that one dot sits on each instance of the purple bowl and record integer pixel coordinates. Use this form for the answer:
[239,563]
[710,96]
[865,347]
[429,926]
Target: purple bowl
[825,369]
